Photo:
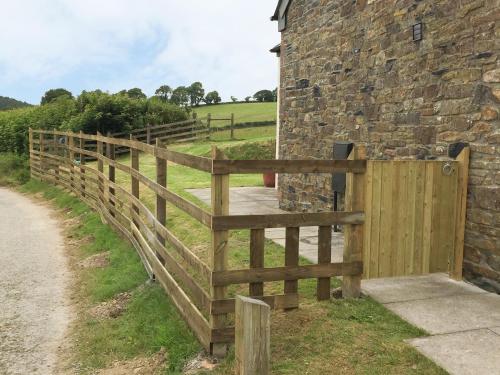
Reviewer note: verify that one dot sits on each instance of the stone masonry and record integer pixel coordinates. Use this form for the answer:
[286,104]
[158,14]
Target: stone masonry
[351,71]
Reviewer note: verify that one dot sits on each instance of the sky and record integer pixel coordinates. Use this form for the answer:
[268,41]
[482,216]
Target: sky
[119,44]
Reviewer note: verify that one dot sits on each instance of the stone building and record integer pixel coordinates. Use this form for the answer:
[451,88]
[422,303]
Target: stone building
[406,78]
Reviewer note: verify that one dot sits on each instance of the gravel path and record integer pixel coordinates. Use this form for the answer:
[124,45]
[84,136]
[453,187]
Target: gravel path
[34,276]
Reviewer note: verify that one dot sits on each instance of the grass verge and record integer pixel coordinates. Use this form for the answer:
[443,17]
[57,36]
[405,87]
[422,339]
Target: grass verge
[150,321]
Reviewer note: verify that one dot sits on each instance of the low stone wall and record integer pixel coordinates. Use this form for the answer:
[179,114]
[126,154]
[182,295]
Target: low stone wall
[351,71]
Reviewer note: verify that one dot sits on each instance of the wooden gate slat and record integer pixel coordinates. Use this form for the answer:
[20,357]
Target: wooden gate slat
[385,255]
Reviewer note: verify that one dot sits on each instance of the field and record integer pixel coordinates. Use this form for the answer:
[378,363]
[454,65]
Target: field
[243,112]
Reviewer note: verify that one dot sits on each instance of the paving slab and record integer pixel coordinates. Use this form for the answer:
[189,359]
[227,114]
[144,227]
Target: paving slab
[451,314]
[474,352]
[400,289]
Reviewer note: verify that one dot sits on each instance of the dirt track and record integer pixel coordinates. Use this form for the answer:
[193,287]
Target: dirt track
[34,277]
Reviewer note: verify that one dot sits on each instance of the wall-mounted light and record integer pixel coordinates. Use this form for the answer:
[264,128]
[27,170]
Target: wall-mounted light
[418,32]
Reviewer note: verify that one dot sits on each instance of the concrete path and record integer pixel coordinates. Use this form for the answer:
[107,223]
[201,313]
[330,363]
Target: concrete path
[463,320]
[34,310]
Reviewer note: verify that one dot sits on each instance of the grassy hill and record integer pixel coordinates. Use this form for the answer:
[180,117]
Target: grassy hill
[243,112]
[9,103]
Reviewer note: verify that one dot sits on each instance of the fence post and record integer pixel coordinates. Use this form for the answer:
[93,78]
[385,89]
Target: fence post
[232,126]
[110,153]
[100,168]
[353,246]
[218,256]
[55,149]
[56,167]
[257,242]
[71,152]
[457,258]
[324,257]
[134,182]
[42,150]
[252,336]
[82,162]
[291,257]
[30,139]
[209,122]
[161,203]
[148,134]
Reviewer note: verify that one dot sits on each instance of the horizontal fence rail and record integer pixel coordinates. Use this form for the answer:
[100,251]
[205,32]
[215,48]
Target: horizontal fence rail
[199,288]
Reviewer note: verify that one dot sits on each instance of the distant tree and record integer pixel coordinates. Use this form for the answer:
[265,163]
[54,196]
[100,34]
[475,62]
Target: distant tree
[136,93]
[213,97]
[196,93]
[164,93]
[275,94]
[264,96]
[247,99]
[234,99]
[53,94]
[180,96]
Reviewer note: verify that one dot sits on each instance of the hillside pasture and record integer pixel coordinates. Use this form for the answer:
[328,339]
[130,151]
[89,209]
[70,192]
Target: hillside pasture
[243,112]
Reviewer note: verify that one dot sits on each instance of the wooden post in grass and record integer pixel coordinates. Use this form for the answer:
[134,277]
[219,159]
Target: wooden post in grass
[457,258]
[100,168]
[209,122]
[218,256]
[256,259]
[291,257]
[82,163]
[134,182]
[42,149]
[353,243]
[71,165]
[161,203]
[252,336]
[56,167]
[232,126]
[55,148]
[324,257]
[30,139]
[110,153]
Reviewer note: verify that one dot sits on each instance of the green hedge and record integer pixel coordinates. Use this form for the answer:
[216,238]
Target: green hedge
[90,112]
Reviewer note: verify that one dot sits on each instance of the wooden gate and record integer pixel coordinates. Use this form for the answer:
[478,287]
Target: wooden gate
[415,217]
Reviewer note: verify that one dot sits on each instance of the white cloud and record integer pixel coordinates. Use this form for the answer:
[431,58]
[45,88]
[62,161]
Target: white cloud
[223,43]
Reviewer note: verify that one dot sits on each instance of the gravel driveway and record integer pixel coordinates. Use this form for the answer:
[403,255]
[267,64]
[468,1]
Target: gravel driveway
[34,276]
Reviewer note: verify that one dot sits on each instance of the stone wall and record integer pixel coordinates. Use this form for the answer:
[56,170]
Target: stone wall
[350,70]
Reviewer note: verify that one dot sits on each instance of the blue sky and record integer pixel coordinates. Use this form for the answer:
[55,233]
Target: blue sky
[118,44]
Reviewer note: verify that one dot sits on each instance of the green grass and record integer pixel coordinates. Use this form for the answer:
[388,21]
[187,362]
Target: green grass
[243,112]
[150,322]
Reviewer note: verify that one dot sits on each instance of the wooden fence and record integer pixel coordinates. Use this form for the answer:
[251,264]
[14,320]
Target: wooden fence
[200,290]
[211,119]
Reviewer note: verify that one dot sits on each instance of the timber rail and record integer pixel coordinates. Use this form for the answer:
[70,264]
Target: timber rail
[199,289]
